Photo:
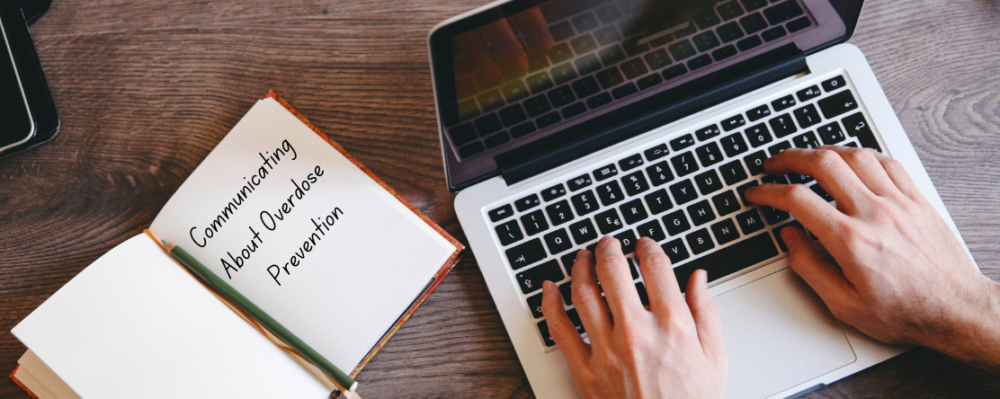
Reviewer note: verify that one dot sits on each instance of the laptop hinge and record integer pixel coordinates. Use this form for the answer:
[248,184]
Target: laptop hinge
[762,76]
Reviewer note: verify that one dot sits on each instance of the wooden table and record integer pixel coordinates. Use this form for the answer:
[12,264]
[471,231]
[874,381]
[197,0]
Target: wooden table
[146,88]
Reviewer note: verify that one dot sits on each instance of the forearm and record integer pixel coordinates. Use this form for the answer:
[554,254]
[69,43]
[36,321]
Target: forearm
[973,336]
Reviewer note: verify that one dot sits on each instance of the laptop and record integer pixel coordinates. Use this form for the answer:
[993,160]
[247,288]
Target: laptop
[563,121]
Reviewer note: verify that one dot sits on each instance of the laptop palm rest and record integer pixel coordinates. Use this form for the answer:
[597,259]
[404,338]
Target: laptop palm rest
[778,334]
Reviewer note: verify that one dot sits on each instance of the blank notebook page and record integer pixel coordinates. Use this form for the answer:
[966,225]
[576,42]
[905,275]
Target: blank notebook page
[135,324]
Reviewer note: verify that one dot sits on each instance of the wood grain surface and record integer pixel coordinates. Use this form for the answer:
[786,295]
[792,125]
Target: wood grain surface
[146,88]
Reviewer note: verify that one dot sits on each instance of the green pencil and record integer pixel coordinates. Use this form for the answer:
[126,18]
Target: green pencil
[344,381]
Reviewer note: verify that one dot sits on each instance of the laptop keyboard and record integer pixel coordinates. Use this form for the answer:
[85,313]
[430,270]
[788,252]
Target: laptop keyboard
[591,66]
[686,193]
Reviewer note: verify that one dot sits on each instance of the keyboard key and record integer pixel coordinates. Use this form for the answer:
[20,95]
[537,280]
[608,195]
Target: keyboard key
[705,41]
[635,183]
[607,35]
[830,133]
[543,328]
[608,13]
[535,305]
[522,129]
[676,223]
[758,135]
[658,201]
[834,84]
[758,113]
[583,44]
[783,12]
[821,192]
[707,132]
[682,142]
[525,254]
[783,103]
[553,192]
[567,290]
[729,32]
[583,232]
[627,240]
[676,251]
[611,55]
[501,213]
[537,105]
[575,319]
[700,241]
[751,5]
[783,125]
[462,134]
[470,150]
[798,24]
[634,68]
[633,48]
[755,163]
[774,179]
[534,223]
[807,116]
[657,59]
[742,189]
[536,62]
[560,52]
[514,91]
[559,212]
[777,234]
[631,162]
[560,96]
[774,216]
[513,115]
[605,172]
[684,164]
[726,203]
[633,212]
[733,144]
[608,221]
[808,93]
[652,230]
[563,73]
[701,213]
[526,203]
[707,19]
[561,31]
[488,124]
[610,193]
[724,53]
[681,50]
[574,110]
[643,295]
[656,152]
[733,172]
[531,280]
[674,71]
[733,122]
[659,173]
[558,241]
[509,232]
[599,100]
[709,154]
[568,260]
[798,178]
[749,43]
[857,126]
[649,81]
[538,83]
[753,23]
[730,10]
[725,231]
[837,104]
[729,260]
[625,90]
[778,148]
[683,192]
[708,182]
[579,182]
[750,221]
[585,203]
[806,140]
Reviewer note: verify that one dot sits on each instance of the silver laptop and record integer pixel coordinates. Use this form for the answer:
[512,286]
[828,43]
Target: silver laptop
[563,121]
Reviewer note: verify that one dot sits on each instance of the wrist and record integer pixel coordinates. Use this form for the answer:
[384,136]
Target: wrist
[971,331]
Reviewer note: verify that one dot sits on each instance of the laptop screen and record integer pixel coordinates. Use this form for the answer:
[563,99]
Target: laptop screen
[511,76]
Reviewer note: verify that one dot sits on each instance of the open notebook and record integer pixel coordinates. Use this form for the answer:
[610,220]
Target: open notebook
[289,220]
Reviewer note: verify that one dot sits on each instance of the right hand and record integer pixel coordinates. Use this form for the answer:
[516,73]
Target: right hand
[886,263]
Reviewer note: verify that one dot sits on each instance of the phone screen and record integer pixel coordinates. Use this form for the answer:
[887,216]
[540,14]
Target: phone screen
[16,125]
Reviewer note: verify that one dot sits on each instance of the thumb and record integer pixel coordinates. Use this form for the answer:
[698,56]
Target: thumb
[823,276]
[706,318]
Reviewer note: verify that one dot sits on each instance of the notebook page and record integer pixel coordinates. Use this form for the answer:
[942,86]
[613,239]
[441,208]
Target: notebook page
[135,324]
[298,229]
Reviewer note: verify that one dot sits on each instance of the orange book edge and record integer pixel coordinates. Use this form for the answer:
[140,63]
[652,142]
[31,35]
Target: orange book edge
[18,382]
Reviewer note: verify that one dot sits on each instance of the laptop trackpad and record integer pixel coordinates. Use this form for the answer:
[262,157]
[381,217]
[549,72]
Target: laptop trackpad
[778,335]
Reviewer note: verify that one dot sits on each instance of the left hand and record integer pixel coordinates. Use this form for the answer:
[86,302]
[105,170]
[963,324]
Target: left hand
[670,349]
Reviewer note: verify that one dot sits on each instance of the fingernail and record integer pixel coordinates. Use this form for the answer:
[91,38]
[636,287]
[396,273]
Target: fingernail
[547,286]
[789,237]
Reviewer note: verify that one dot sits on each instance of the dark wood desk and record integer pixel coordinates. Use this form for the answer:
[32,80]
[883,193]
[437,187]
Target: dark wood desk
[146,88]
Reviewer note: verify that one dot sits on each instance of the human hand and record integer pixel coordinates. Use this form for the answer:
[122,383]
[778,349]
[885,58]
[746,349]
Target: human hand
[671,349]
[493,54]
[887,264]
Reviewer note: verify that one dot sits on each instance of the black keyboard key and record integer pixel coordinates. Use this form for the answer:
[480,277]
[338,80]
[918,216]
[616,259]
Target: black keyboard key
[567,289]
[705,41]
[579,182]
[729,260]
[725,231]
[783,125]
[526,203]
[778,148]
[758,113]
[560,52]
[563,73]
[830,133]
[560,96]
[783,103]
[574,318]
[774,216]
[857,126]
[522,129]
[561,31]
[627,240]
[652,230]
[708,182]
[553,192]
[753,23]
[834,84]
[777,234]
[659,173]
[729,32]
[501,213]
[699,62]
[471,149]
[730,10]
[649,81]
[608,221]
[568,260]
[683,192]
[749,43]
[531,280]
[657,152]
[583,44]
[750,221]
[837,104]
[599,100]
[682,142]
[707,19]
[610,193]
[806,140]
[808,93]
[534,223]
[631,162]
[585,203]
[509,232]
[821,192]
[608,13]
[488,124]
[724,53]
[525,254]
[587,64]
[798,24]
[558,241]
[700,241]
[758,135]
[707,132]
[634,68]
[462,134]
[681,50]
[684,164]
[513,115]
[585,87]
[783,12]
[807,116]
[538,83]
[535,304]
[676,251]
[733,172]
[537,105]
[633,212]
[633,48]
[774,179]
[607,35]
[658,201]
[643,295]
[755,162]
[733,122]
[625,90]
[514,91]
[583,232]
[726,203]
[657,59]
[635,183]
[543,328]
[605,172]
[490,100]
[674,71]
[496,139]
[701,212]
[798,178]
[559,212]
[611,55]
[676,223]
[536,62]
[709,154]
[733,144]
[751,5]
[742,191]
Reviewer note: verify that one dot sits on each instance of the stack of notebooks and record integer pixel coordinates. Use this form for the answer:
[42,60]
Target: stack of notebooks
[284,216]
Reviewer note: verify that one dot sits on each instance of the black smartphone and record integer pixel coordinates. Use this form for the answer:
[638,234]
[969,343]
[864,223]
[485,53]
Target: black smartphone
[27,113]
[16,124]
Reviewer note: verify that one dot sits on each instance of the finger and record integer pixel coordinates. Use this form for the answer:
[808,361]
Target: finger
[476,57]
[808,207]
[706,317]
[658,273]
[560,327]
[868,168]
[830,171]
[824,277]
[532,24]
[507,51]
[900,177]
[587,297]
[616,279]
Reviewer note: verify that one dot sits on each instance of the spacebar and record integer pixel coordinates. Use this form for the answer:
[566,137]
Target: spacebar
[729,260]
